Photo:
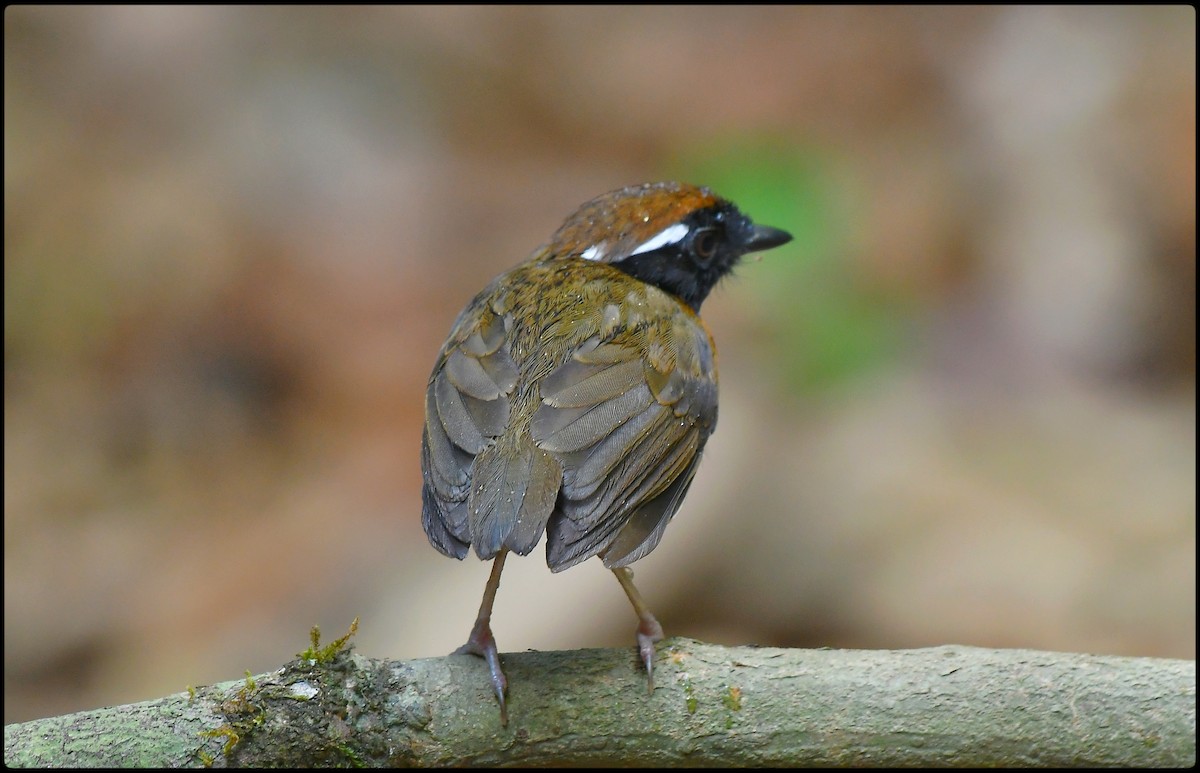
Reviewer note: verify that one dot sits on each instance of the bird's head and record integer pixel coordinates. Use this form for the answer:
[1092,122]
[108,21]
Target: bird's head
[678,237]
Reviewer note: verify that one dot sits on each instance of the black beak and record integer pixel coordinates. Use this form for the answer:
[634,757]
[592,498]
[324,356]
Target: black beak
[764,237]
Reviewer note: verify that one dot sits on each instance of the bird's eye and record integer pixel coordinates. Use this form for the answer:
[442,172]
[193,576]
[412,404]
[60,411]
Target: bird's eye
[704,243]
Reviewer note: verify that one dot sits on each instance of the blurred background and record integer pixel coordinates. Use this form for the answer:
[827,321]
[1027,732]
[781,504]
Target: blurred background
[958,408]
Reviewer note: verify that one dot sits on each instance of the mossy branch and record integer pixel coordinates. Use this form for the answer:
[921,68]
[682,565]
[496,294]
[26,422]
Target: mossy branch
[736,706]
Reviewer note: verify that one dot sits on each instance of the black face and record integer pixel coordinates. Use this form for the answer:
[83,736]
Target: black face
[689,258]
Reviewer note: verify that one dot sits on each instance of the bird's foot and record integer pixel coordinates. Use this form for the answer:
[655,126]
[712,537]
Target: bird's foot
[648,632]
[483,644]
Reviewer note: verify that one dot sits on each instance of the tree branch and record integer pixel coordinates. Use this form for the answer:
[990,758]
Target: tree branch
[737,706]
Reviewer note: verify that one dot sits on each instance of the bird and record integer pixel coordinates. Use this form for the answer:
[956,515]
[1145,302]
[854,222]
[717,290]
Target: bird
[576,392]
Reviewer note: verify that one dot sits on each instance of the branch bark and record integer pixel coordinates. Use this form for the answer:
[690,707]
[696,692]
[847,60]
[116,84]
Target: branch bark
[735,706]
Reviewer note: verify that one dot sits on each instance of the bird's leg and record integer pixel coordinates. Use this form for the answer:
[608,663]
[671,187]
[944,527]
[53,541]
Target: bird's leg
[482,643]
[649,631]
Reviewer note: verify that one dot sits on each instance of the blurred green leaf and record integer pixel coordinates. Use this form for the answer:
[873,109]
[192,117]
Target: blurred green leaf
[825,328]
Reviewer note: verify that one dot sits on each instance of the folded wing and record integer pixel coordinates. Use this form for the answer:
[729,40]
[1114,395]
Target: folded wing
[628,417]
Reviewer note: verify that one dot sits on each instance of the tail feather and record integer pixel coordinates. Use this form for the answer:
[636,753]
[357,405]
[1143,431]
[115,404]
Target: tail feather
[514,487]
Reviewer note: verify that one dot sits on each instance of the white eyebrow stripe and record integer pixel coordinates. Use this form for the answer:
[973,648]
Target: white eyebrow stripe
[592,253]
[668,235]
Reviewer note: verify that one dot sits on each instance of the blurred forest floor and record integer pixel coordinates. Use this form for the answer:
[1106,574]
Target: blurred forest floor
[959,408]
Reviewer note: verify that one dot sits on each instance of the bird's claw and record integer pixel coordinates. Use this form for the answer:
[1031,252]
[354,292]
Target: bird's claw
[648,632]
[482,644]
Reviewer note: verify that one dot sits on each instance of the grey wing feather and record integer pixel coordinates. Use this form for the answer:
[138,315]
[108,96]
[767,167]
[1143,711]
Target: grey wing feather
[629,436]
[643,531]
[467,406]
